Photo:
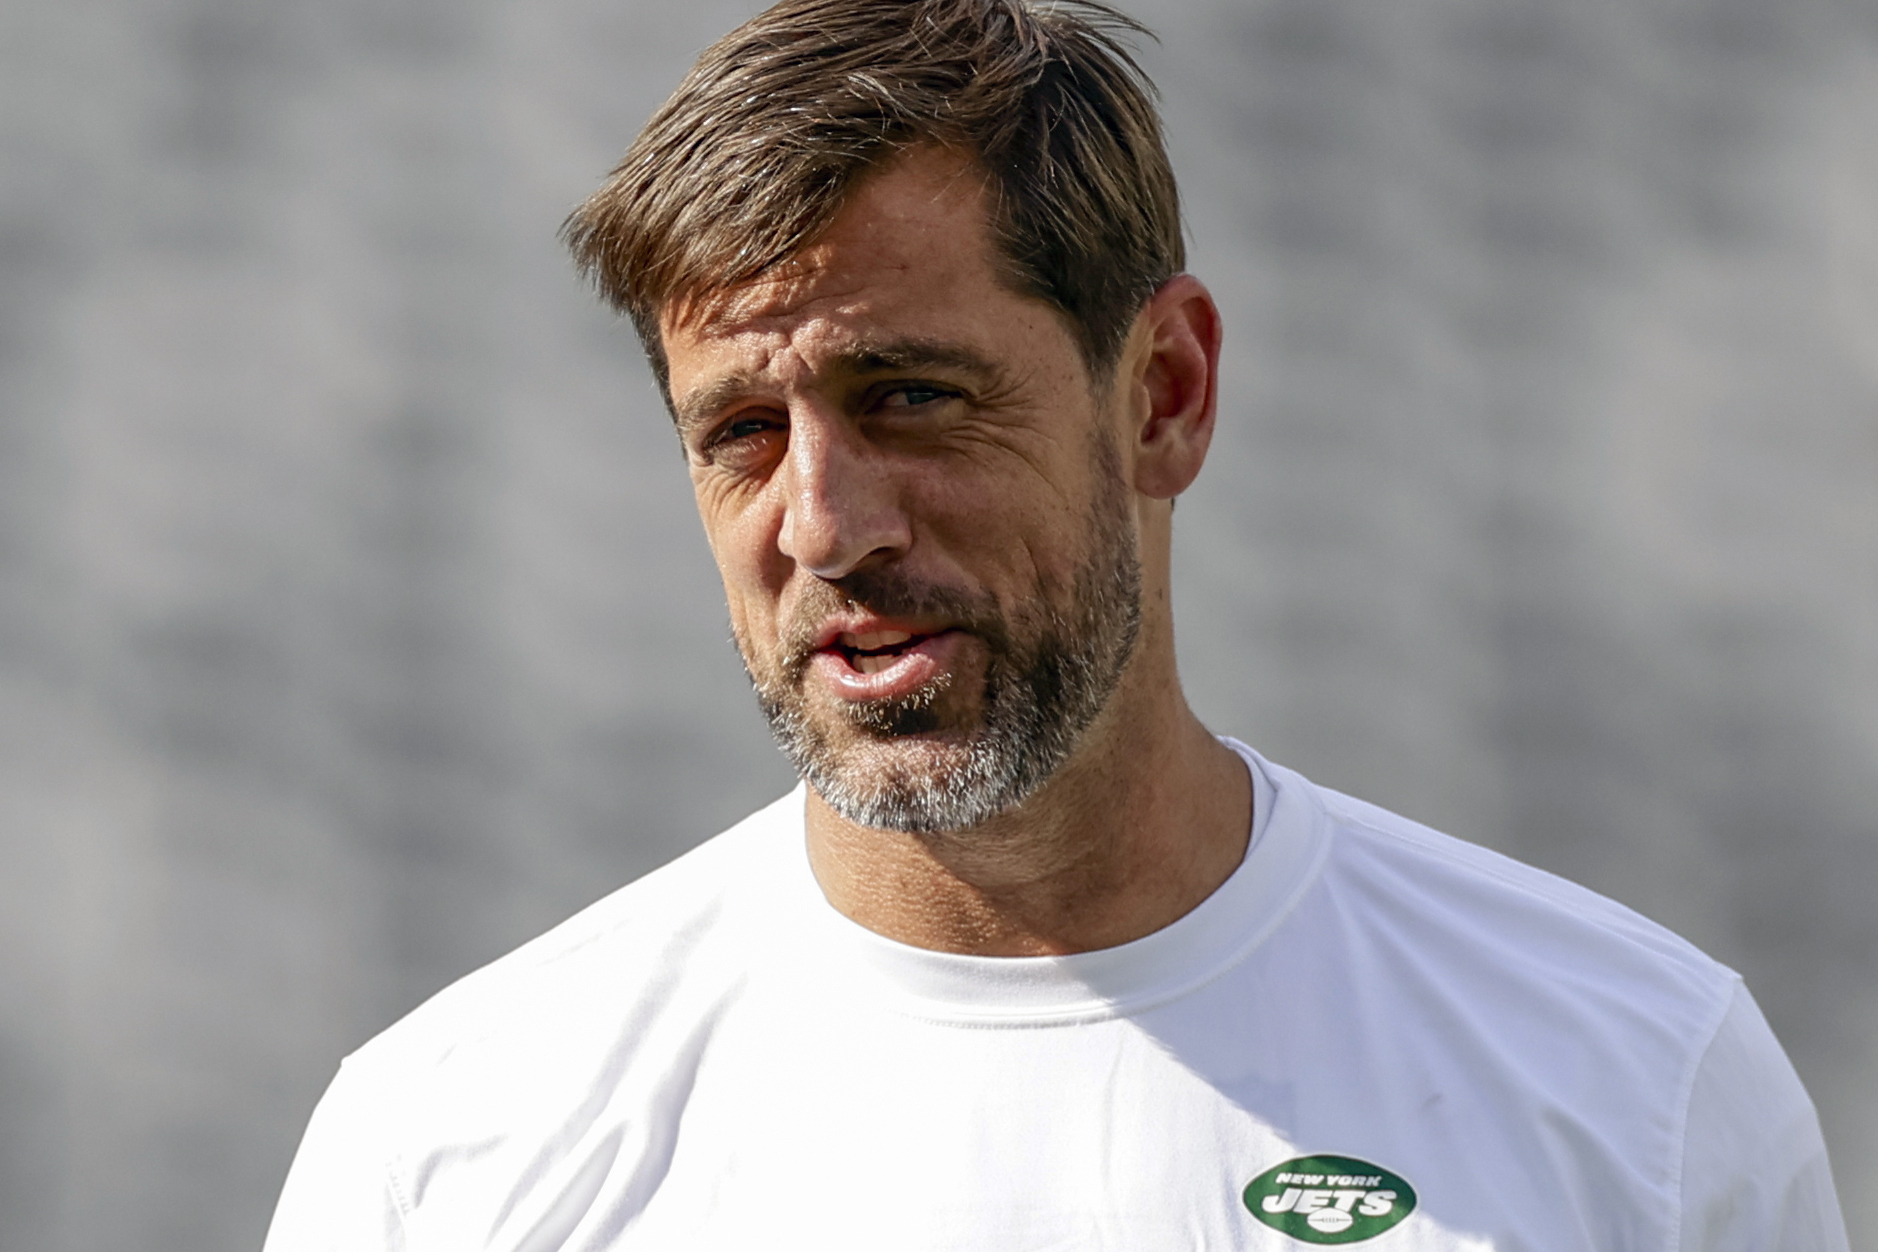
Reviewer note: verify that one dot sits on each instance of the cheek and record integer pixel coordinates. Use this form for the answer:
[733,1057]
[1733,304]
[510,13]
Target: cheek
[1013,542]
[734,525]
[753,628]
[743,542]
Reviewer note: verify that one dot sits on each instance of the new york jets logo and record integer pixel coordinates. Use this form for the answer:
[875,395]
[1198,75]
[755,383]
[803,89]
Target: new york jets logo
[1329,1199]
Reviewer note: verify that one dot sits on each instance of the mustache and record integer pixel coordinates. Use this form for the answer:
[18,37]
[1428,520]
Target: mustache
[890,593]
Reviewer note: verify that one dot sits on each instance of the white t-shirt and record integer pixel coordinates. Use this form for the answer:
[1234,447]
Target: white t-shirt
[1370,1032]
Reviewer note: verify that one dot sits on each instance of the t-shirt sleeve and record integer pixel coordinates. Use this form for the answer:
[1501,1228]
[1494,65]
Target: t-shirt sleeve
[338,1195]
[1755,1177]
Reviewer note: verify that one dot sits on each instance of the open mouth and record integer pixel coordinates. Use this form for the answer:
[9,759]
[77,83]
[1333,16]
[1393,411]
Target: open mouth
[876,660]
[872,651]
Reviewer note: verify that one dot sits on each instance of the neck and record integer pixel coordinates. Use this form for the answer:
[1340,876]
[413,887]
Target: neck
[1146,819]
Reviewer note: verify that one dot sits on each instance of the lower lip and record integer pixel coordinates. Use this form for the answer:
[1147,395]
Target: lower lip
[910,670]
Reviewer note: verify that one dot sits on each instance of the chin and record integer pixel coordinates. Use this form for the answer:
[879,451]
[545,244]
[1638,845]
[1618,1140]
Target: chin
[928,783]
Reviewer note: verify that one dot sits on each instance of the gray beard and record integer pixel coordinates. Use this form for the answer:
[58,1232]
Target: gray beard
[1041,692]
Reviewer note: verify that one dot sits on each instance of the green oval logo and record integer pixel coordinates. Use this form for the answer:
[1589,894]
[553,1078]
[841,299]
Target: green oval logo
[1329,1199]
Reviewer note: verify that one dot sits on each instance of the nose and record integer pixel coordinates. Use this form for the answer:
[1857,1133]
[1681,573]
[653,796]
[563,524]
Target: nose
[841,507]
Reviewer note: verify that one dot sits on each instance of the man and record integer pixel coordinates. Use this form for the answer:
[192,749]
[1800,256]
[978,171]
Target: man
[1032,960]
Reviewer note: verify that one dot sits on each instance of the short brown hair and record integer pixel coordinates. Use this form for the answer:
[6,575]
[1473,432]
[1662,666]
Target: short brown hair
[752,157]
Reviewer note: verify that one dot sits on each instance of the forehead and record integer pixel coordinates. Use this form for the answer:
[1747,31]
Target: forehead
[909,257]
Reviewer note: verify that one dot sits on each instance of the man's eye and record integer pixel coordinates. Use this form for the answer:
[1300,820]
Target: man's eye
[738,440]
[914,395]
[738,430]
[743,428]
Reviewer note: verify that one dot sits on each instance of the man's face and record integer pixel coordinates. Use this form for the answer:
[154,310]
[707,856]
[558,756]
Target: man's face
[916,500]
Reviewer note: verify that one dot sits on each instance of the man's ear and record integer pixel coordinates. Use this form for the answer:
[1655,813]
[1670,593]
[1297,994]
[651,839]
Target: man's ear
[1177,382]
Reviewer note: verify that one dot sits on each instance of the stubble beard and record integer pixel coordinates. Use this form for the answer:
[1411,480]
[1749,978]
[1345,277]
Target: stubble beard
[1049,671]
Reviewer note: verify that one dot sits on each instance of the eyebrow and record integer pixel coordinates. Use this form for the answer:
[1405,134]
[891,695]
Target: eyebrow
[895,356]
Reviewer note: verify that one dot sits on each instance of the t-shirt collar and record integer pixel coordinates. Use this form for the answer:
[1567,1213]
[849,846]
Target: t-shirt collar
[1285,846]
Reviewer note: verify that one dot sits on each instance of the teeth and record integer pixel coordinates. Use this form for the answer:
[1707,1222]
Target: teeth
[873,664]
[874,639]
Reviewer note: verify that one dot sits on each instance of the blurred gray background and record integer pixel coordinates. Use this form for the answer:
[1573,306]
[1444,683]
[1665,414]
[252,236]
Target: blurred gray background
[355,624]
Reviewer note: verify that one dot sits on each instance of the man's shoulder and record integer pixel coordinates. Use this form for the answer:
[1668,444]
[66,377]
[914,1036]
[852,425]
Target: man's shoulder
[623,948]
[1481,917]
